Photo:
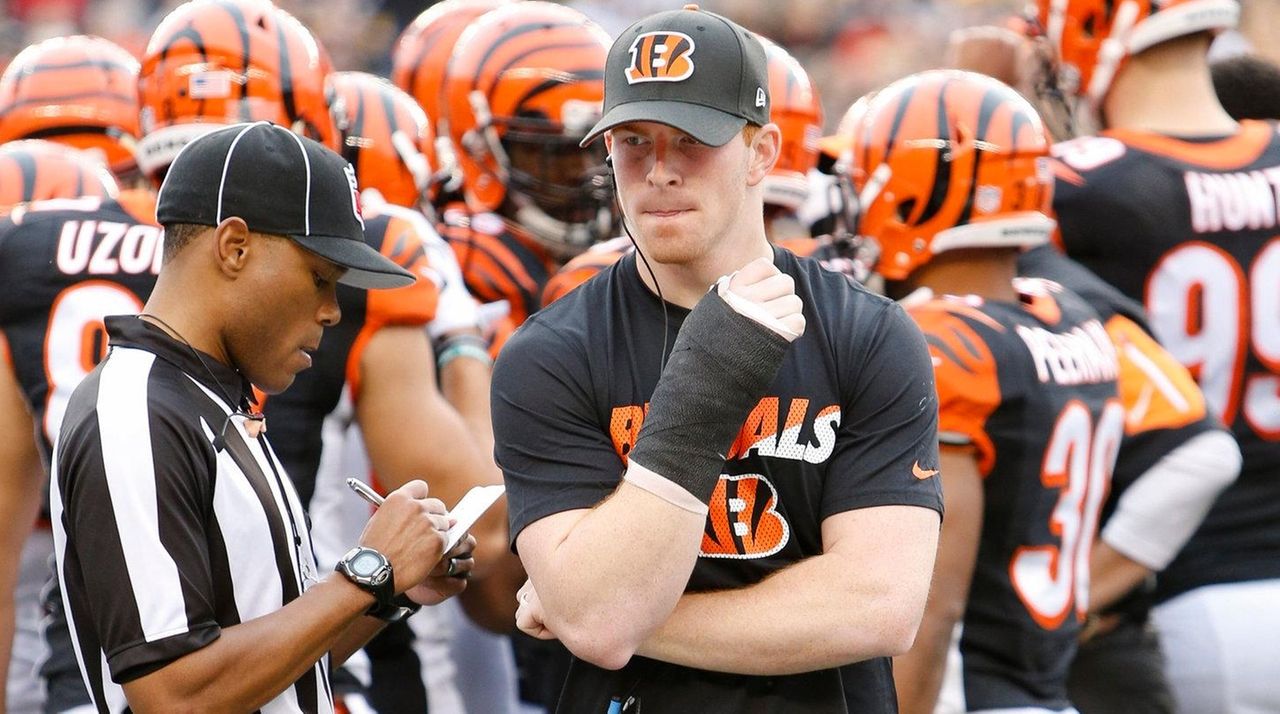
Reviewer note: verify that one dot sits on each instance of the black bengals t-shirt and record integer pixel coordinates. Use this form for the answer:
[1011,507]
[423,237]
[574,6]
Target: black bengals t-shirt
[851,412]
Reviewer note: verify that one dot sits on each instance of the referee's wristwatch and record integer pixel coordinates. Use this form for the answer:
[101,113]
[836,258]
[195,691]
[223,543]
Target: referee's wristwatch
[371,571]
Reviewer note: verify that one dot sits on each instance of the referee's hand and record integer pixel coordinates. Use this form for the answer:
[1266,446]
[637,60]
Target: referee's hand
[409,529]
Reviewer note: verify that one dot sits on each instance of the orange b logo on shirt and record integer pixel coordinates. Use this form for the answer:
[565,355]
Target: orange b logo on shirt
[660,57]
[743,520]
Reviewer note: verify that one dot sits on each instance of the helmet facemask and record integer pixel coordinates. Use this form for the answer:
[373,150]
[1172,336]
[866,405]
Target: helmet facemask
[558,191]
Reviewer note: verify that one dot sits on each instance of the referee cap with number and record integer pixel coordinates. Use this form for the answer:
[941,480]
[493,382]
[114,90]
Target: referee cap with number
[282,184]
[691,69]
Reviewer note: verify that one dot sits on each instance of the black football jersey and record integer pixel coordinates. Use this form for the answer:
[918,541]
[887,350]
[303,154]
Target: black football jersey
[1031,387]
[1164,408]
[849,415]
[1188,227]
[64,265]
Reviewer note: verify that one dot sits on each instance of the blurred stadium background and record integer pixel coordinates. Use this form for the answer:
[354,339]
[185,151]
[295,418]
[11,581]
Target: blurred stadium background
[848,46]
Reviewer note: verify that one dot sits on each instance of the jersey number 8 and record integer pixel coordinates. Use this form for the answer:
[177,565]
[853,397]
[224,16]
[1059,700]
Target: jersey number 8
[76,341]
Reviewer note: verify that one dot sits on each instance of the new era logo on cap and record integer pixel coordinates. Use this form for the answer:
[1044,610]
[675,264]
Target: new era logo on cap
[661,57]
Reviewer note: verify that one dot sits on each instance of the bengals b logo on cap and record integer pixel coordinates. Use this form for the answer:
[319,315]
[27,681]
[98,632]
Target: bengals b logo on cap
[660,57]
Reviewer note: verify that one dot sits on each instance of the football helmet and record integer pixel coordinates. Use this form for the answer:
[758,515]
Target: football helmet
[839,203]
[838,145]
[385,135]
[944,160]
[1093,37]
[797,111]
[421,55]
[524,85]
[418,64]
[81,91]
[216,62]
[37,170]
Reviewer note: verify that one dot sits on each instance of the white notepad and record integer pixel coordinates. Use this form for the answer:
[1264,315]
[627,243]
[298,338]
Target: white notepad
[469,509]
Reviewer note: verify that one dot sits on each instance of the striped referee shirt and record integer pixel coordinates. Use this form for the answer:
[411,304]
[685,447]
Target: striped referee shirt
[170,522]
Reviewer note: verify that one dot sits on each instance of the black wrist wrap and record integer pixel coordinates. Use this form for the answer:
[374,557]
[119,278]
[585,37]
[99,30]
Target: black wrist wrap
[720,366]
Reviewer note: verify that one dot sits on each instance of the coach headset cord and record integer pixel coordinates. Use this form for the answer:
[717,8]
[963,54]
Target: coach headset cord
[628,703]
[662,361]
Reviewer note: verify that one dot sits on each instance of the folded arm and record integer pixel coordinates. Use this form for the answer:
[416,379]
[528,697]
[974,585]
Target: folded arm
[861,598]
[1158,513]
[604,592]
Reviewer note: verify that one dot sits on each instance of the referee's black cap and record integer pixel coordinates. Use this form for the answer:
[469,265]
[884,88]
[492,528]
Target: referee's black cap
[278,183]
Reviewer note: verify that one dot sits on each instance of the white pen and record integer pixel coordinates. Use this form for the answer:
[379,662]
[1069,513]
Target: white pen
[363,490]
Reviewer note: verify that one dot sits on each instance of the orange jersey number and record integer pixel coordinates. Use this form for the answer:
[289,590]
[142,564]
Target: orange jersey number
[1078,462]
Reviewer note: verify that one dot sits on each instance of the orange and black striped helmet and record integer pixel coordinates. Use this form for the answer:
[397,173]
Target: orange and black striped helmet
[216,62]
[418,64]
[385,135]
[37,170]
[1093,37]
[79,90]
[944,160]
[524,85]
[421,55]
[797,110]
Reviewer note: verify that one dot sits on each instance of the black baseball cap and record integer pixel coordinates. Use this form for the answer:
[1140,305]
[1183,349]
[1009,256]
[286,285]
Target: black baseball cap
[279,183]
[691,69]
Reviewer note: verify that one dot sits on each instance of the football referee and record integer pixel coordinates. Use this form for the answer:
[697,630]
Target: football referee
[182,547]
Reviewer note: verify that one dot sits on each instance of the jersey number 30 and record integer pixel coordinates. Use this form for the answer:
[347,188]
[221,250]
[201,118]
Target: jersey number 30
[1078,461]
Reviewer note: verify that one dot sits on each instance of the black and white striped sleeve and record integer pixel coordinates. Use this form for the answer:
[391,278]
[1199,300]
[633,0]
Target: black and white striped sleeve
[133,493]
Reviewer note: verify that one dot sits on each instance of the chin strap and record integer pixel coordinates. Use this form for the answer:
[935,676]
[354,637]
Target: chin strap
[562,238]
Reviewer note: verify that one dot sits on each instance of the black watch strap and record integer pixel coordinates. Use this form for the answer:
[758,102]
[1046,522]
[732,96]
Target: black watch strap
[400,608]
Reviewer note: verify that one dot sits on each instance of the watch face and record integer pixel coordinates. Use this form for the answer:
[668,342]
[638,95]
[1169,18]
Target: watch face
[365,564]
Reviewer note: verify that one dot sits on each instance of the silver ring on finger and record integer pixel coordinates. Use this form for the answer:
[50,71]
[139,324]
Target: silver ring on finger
[453,568]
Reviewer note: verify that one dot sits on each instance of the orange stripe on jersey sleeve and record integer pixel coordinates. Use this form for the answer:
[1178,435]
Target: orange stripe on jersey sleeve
[1157,391]
[413,305]
[965,375]
[578,271]
[492,272]
[565,281]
